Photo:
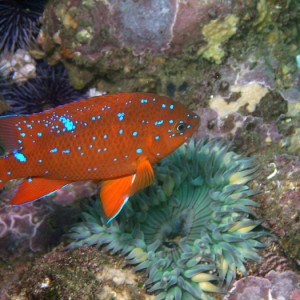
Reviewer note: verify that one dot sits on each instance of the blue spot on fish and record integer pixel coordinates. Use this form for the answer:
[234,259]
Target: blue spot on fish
[20,157]
[171,106]
[53,150]
[159,122]
[68,123]
[157,137]
[66,151]
[139,150]
[135,133]
[121,131]
[144,101]
[171,121]
[105,136]
[121,116]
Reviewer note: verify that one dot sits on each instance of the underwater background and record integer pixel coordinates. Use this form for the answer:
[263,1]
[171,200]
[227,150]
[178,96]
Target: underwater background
[222,219]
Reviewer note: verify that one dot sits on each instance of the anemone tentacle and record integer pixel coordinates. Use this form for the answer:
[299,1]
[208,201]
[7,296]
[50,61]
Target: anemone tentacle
[192,230]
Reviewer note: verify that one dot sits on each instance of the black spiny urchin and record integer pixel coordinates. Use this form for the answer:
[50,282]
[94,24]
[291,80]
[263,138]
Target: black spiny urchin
[19,23]
[48,89]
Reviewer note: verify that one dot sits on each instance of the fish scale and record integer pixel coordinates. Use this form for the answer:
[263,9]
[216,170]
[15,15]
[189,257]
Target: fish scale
[112,138]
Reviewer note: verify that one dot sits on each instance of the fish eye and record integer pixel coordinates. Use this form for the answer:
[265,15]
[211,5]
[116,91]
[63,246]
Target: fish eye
[180,127]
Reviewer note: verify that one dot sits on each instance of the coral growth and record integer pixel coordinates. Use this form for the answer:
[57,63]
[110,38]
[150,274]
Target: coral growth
[39,225]
[275,285]
[216,33]
[19,23]
[33,227]
[192,231]
[48,89]
[82,274]
[281,200]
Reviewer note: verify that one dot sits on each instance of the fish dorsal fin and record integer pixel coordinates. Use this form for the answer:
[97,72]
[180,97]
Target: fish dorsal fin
[115,192]
[35,188]
[9,134]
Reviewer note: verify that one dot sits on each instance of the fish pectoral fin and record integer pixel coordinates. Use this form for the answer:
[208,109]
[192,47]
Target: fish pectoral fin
[144,175]
[115,192]
[32,189]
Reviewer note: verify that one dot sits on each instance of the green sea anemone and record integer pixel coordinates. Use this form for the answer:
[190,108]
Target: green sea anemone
[192,230]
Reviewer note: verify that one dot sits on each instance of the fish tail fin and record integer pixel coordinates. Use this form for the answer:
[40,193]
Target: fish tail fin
[3,173]
[9,134]
[8,142]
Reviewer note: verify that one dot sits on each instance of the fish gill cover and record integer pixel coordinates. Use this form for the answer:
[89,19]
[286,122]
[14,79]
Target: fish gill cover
[192,230]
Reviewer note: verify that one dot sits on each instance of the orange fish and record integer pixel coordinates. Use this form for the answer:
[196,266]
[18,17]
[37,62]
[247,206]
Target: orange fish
[113,138]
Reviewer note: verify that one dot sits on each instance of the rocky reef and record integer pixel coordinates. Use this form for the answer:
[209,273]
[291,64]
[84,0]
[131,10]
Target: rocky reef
[38,226]
[276,285]
[85,273]
[235,63]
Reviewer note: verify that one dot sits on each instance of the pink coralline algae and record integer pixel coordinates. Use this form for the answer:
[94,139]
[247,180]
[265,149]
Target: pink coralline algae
[23,227]
[274,286]
[139,25]
[73,191]
[39,225]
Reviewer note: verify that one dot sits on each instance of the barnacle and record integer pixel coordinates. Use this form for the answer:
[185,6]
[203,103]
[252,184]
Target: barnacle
[192,230]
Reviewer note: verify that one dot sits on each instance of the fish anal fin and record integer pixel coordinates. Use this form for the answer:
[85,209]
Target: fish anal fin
[115,192]
[35,188]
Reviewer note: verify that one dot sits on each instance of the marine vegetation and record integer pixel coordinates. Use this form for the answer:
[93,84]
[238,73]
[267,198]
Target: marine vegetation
[192,230]
[50,88]
[19,23]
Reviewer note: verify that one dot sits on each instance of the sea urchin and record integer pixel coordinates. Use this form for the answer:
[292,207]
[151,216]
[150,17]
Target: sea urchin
[192,230]
[19,23]
[50,88]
